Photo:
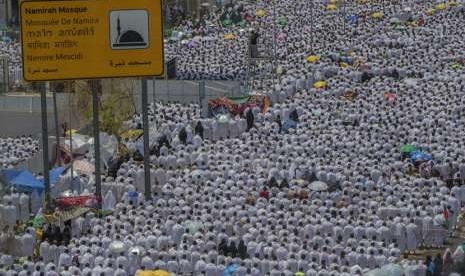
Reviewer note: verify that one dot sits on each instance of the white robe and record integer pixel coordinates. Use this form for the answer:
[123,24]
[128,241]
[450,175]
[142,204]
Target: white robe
[109,201]
[412,241]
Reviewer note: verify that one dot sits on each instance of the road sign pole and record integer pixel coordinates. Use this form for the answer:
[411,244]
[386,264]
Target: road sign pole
[57,127]
[202,97]
[98,174]
[43,105]
[68,88]
[145,123]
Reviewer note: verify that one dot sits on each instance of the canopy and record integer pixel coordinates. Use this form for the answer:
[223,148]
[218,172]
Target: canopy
[320,84]
[313,58]
[132,134]
[25,181]
[260,13]
[66,215]
[407,148]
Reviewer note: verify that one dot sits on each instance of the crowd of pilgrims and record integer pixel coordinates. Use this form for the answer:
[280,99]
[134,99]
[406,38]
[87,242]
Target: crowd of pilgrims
[14,151]
[237,192]
[12,50]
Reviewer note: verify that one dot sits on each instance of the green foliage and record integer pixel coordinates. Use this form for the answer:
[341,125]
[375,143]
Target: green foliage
[116,103]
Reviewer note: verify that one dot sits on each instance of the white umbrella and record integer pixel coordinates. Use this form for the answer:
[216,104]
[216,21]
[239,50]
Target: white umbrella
[137,250]
[318,186]
[117,247]
[194,227]
[439,219]
[223,119]
[391,270]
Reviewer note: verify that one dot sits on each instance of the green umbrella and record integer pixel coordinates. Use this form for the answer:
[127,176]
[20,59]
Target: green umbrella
[407,148]
[242,23]
[226,22]
[455,66]
[282,21]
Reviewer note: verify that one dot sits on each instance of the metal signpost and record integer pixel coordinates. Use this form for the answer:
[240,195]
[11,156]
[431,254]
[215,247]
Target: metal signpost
[85,39]
[145,122]
[43,106]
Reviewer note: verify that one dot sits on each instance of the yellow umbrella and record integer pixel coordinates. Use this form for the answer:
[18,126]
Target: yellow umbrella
[319,84]
[145,273]
[313,58]
[332,1]
[229,36]
[39,234]
[161,273]
[260,13]
[430,11]
[343,64]
[441,7]
[377,15]
[153,273]
[331,7]
[452,3]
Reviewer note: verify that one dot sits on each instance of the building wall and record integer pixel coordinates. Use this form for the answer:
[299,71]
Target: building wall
[3,12]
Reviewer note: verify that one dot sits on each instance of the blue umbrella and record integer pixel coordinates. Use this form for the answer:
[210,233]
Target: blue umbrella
[352,19]
[288,124]
[418,156]
[230,269]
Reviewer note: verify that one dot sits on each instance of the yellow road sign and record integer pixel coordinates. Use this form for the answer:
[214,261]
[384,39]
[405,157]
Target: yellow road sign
[83,39]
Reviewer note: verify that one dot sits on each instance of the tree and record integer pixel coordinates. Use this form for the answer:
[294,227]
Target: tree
[116,103]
